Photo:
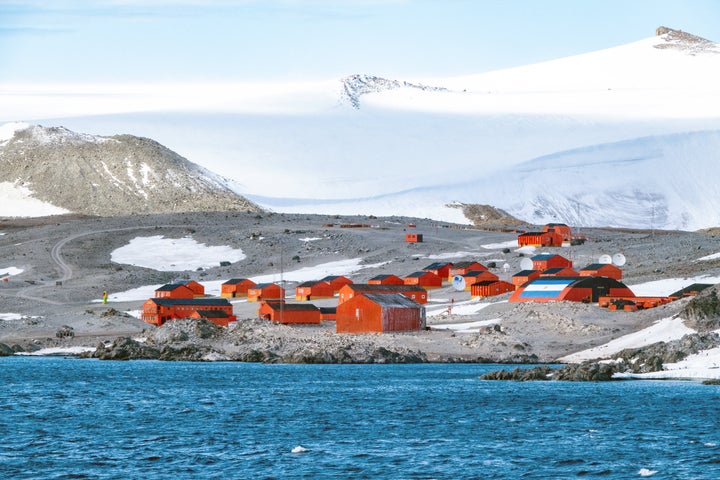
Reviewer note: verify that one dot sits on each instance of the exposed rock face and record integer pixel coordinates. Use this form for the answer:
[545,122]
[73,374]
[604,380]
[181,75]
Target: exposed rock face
[111,176]
[355,86]
[683,41]
[702,313]
[487,216]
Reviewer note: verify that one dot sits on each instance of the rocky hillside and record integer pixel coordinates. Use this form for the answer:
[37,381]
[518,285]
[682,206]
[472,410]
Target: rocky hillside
[355,86]
[110,176]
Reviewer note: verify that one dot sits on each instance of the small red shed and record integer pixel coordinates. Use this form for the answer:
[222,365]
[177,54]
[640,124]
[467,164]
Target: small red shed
[373,313]
[474,276]
[160,310]
[490,288]
[441,269]
[236,287]
[197,288]
[414,237]
[461,268]
[413,292]
[313,289]
[287,313]
[544,261]
[559,272]
[174,290]
[218,317]
[386,280]
[337,282]
[265,291]
[424,279]
[524,276]
[601,270]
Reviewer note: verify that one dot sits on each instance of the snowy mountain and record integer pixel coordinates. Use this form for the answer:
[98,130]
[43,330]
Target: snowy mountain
[626,136]
[55,170]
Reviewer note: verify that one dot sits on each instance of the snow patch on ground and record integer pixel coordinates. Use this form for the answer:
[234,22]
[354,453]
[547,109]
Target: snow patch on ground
[664,330]
[10,271]
[17,201]
[174,254]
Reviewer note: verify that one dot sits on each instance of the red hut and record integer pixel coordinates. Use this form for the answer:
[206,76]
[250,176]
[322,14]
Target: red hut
[197,288]
[174,290]
[287,313]
[424,279]
[413,292]
[544,261]
[524,276]
[313,289]
[559,272]
[373,313]
[265,291]
[490,288]
[236,287]
[386,280]
[474,276]
[414,237]
[337,282]
[602,270]
[218,317]
[441,269]
[461,268]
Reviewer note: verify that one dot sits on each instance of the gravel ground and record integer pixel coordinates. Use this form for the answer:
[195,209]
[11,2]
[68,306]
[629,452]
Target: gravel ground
[66,263]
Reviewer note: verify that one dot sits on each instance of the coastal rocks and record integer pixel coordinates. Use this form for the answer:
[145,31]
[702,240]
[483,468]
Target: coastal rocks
[576,372]
[125,348]
[5,351]
[702,312]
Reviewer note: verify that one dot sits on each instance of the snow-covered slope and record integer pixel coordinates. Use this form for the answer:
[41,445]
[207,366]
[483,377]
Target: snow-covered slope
[625,136]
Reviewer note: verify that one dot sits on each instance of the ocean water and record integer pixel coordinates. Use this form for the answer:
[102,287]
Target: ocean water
[65,418]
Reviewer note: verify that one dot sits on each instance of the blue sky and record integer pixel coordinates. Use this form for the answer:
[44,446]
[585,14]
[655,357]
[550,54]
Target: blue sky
[81,41]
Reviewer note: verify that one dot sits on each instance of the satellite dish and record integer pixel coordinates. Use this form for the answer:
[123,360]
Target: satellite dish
[618,259]
[506,267]
[526,264]
[458,283]
[605,259]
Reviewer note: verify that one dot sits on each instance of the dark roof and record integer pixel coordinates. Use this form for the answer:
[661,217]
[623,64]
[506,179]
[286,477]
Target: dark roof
[485,282]
[330,278]
[234,281]
[328,310]
[475,273]
[383,277]
[544,256]
[597,266]
[263,285]
[214,302]
[416,274]
[291,306]
[554,270]
[169,287]
[465,264]
[364,287]
[525,273]
[311,283]
[396,300]
[437,265]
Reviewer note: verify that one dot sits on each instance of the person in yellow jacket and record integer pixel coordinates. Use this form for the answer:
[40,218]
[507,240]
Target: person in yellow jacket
[105,296]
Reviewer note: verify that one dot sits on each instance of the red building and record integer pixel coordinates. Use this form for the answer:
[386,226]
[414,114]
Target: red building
[413,292]
[414,237]
[552,235]
[197,288]
[236,287]
[559,272]
[490,288]
[474,276]
[424,279]
[601,270]
[544,261]
[441,269]
[289,313]
[386,280]
[174,290]
[574,289]
[265,291]
[372,313]
[160,310]
[337,282]
[313,289]
[461,268]
[524,276]
[218,317]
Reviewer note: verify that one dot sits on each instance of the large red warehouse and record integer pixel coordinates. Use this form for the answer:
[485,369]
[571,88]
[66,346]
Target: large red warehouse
[413,292]
[374,313]
[574,289]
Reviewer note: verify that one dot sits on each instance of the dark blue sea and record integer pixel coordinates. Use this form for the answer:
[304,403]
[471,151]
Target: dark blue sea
[66,418]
